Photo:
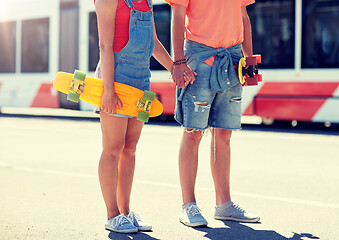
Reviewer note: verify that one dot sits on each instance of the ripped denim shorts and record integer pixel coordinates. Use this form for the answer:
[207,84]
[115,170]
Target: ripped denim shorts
[201,108]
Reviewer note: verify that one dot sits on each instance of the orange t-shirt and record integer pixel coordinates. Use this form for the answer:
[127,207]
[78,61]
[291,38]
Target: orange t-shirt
[215,23]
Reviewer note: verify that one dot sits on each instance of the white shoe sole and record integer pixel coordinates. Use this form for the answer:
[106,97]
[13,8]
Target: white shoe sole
[122,231]
[145,228]
[196,224]
[237,219]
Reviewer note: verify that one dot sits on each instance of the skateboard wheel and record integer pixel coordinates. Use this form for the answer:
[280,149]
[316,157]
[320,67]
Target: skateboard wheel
[241,65]
[78,75]
[143,116]
[252,81]
[258,57]
[251,61]
[73,96]
[259,76]
[149,95]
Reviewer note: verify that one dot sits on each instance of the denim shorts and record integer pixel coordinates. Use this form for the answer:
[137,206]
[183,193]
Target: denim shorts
[201,108]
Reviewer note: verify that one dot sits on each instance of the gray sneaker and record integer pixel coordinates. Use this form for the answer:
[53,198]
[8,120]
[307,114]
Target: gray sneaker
[138,222]
[120,224]
[191,216]
[232,211]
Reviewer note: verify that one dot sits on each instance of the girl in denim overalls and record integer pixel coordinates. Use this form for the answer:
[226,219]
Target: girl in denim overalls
[129,65]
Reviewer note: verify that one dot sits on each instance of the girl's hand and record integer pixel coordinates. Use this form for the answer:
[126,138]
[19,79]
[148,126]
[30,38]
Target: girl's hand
[109,102]
[182,75]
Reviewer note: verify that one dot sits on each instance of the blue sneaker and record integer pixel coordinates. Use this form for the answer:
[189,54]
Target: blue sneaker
[120,224]
[138,222]
[191,216]
[232,211]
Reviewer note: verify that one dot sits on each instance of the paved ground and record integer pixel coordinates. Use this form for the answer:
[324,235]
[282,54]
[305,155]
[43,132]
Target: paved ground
[49,187]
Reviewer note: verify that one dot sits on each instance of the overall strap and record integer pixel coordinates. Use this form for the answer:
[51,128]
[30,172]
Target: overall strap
[150,4]
[129,3]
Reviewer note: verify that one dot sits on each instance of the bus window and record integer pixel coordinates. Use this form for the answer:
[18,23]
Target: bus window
[320,34]
[7,47]
[35,45]
[68,37]
[273,32]
[93,45]
[162,19]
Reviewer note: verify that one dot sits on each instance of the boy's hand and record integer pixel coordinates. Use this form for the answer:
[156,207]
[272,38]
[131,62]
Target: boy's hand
[182,75]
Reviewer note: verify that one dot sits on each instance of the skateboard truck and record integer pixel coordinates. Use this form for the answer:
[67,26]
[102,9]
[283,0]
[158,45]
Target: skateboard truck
[144,106]
[248,71]
[76,86]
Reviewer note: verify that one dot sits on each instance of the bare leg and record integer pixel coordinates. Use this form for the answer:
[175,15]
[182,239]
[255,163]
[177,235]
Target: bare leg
[127,164]
[113,135]
[221,163]
[188,163]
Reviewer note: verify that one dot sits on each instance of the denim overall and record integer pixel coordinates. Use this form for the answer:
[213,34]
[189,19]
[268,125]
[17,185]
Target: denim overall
[132,63]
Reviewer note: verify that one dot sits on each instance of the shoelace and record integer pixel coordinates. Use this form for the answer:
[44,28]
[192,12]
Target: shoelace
[121,220]
[194,210]
[238,207]
[134,216]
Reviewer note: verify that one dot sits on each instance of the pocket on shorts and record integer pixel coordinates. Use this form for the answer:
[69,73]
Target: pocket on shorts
[235,93]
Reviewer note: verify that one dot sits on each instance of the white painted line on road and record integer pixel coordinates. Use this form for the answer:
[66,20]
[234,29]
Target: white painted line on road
[171,185]
[5,165]
[289,200]
[45,171]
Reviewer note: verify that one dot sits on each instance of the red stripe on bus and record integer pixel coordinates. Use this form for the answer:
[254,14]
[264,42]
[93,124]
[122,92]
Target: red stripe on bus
[45,98]
[250,109]
[166,94]
[319,89]
[302,109]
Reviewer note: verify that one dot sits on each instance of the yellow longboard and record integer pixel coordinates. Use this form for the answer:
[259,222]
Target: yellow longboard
[136,103]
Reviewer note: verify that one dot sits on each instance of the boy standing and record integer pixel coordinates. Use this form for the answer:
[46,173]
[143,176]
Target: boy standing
[215,35]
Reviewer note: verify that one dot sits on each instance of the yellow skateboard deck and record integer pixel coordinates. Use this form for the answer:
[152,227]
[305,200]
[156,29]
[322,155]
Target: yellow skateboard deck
[136,103]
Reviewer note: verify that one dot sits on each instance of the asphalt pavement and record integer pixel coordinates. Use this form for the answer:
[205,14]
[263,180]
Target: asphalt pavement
[49,187]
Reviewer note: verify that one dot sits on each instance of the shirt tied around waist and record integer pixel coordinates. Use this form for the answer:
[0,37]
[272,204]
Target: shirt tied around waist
[223,75]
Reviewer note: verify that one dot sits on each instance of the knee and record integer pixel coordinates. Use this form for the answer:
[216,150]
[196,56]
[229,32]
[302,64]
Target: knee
[193,136]
[113,152]
[130,147]
[223,135]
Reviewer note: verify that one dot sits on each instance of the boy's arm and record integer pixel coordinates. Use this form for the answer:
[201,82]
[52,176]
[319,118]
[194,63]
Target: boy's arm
[178,36]
[247,43]
[178,31]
